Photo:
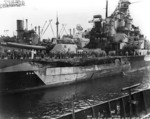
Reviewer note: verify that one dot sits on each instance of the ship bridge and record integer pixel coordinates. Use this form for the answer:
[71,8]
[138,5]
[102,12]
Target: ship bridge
[124,5]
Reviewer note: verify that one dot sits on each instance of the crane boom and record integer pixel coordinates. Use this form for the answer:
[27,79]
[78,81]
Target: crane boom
[47,27]
[43,27]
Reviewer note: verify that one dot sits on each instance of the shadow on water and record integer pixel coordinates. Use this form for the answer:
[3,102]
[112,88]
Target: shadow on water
[41,103]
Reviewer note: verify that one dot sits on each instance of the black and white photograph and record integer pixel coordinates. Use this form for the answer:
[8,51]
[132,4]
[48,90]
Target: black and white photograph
[74,59]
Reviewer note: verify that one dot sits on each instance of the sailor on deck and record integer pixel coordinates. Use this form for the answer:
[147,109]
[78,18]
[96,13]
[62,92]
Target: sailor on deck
[33,52]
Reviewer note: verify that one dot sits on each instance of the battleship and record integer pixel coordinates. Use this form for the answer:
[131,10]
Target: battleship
[116,46]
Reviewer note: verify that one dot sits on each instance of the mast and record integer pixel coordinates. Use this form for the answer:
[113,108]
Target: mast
[106,8]
[39,32]
[27,24]
[57,24]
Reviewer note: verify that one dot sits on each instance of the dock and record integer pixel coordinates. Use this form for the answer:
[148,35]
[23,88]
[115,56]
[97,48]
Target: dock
[134,105]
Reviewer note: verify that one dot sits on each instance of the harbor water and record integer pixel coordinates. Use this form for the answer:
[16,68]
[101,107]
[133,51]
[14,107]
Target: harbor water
[53,102]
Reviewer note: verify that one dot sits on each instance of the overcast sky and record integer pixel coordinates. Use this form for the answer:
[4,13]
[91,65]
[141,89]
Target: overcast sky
[70,12]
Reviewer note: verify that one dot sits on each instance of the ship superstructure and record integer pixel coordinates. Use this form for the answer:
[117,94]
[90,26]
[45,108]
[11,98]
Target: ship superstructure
[117,32]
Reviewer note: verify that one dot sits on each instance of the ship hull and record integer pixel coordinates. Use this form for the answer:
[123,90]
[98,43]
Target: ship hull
[139,62]
[27,76]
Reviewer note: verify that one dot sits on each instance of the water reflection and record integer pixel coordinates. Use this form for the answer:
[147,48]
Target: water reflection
[56,101]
